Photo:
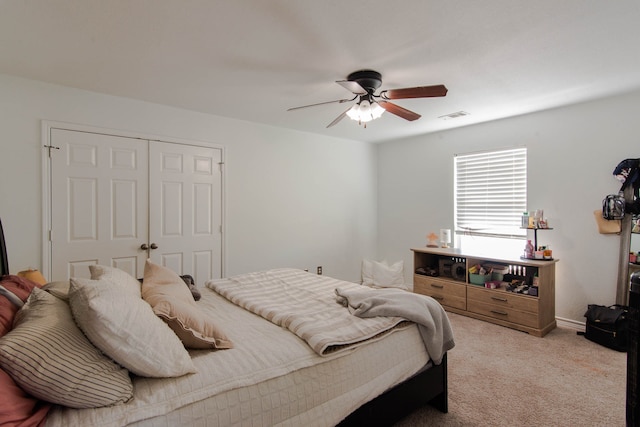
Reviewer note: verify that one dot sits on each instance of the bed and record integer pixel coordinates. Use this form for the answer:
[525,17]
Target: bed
[256,371]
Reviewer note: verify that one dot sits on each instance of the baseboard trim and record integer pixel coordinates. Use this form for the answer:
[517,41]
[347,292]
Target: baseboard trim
[570,324]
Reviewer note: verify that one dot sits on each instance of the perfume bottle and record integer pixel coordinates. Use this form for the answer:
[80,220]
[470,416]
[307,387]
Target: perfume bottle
[528,249]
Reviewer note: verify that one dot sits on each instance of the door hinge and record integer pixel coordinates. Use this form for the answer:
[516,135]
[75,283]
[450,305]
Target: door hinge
[49,147]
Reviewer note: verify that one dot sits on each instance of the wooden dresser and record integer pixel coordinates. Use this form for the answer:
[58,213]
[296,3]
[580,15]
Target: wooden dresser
[452,287]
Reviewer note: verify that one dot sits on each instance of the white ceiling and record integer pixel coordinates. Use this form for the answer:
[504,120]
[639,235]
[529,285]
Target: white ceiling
[253,59]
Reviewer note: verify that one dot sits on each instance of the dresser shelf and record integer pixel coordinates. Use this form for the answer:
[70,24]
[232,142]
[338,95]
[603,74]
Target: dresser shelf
[528,313]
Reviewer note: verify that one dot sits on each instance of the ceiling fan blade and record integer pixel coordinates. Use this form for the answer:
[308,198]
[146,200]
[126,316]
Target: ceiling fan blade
[415,92]
[352,86]
[399,111]
[339,101]
[340,117]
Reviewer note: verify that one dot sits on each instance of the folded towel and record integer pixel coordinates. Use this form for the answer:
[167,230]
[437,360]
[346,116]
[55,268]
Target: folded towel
[431,318]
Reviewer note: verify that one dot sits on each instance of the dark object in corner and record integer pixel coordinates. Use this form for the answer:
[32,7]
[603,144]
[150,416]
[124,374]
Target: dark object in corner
[4,261]
[192,286]
[427,271]
[607,326]
[633,352]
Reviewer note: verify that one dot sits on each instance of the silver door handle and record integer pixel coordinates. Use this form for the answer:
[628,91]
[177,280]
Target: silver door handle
[154,246]
[144,247]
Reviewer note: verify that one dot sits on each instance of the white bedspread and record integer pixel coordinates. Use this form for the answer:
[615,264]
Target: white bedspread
[284,297]
[271,377]
[431,318]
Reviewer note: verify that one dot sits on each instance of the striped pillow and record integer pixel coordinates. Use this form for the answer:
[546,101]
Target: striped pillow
[49,357]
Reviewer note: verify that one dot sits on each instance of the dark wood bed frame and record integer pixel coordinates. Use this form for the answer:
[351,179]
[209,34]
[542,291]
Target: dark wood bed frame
[429,385]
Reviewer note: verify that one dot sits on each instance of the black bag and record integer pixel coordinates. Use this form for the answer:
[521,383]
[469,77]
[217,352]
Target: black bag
[607,326]
[613,206]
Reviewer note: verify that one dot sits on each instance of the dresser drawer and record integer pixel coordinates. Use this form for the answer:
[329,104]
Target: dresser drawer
[446,292]
[519,317]
[503,299]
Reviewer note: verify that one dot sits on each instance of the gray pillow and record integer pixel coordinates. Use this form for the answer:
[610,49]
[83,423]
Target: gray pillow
[50,358]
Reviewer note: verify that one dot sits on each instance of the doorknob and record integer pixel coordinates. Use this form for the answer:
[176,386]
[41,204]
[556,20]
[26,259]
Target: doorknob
[154,246]
[144,247]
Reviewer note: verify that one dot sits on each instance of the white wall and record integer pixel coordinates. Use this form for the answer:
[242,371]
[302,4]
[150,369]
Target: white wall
[292,199]
[571,156]
[302,200]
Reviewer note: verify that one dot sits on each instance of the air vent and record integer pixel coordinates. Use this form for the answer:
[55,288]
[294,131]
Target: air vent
[454,115]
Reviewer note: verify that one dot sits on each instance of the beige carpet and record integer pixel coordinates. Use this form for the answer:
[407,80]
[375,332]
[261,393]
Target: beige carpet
[502,377]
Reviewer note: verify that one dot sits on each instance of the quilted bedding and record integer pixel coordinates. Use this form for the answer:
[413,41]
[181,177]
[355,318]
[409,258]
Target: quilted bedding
[271,377]
[306,305]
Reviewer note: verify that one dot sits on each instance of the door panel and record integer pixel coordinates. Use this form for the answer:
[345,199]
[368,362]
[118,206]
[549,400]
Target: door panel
[186,191]
[99,203]
[110,195]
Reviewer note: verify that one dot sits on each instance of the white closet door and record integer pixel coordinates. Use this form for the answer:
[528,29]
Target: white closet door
[99,196]
[185,222]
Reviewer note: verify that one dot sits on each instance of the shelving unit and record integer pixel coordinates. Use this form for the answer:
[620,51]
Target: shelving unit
[535,234]
[532,314]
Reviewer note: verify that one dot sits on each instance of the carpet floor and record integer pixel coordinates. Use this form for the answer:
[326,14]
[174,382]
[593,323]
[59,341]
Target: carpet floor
[502,377]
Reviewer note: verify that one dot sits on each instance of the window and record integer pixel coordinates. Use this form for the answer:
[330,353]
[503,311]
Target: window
[490,193]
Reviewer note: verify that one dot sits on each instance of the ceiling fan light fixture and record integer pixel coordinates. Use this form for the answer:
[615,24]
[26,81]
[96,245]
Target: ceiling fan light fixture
[364,111]
[363,84]
[376,110]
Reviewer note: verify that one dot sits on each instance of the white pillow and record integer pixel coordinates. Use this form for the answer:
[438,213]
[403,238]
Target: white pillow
[367,271]
[389,276]
[126,329]
[129,283]
[381,274]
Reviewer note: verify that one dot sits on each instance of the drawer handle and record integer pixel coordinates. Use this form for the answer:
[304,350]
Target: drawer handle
[499,298]
[433,285]
[502,313]
[438,297]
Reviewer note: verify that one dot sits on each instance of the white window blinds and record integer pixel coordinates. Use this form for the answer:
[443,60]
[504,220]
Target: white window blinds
[491,193]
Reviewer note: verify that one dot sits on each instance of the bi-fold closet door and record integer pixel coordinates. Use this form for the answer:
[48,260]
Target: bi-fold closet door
[118,201]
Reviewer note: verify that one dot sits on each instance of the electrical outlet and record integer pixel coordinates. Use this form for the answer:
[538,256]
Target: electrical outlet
[319,269]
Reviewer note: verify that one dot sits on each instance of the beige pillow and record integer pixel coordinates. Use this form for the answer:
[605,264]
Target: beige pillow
[125,328]
[59,289]
[172,301]
[129,283]
[50,358]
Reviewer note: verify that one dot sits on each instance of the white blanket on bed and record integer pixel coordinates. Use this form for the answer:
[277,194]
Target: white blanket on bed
[283,297]
[431,318]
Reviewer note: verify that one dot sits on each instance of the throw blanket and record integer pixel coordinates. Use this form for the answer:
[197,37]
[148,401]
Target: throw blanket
[304,303]
[431,318]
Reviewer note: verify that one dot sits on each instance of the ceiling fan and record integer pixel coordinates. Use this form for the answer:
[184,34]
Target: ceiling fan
[370,106]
